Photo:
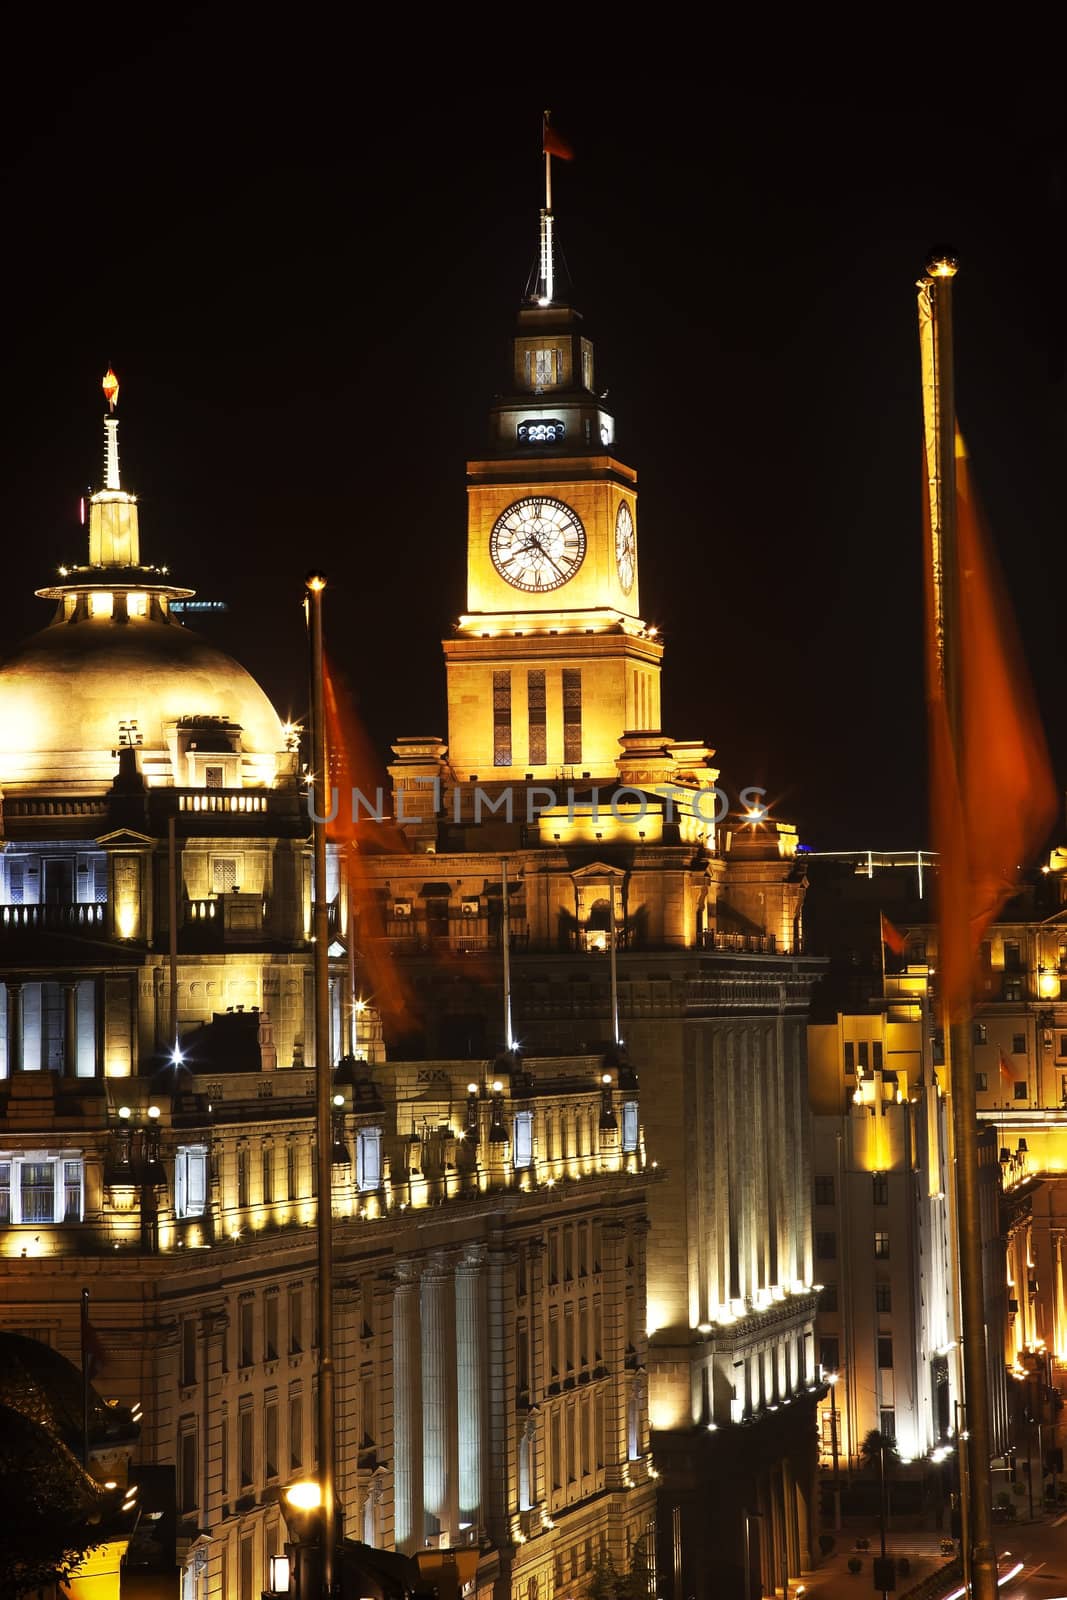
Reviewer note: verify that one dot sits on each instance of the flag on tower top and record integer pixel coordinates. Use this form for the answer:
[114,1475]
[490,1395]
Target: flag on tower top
[552,143]
[110,387]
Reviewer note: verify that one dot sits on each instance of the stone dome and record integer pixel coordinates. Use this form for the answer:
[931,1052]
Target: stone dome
[64,692]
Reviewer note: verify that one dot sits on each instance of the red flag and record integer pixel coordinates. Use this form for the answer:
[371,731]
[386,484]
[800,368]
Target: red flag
[892,937]
[994,799]
[553,144]
[1005,1071]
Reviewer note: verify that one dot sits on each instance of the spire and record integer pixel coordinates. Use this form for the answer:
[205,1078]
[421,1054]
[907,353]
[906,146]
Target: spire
[114,539]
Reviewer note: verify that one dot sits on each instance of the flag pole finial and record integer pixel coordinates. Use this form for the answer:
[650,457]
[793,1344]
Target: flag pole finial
[942,262]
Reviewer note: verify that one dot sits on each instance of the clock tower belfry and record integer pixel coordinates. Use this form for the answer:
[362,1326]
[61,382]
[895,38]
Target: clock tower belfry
[551,664]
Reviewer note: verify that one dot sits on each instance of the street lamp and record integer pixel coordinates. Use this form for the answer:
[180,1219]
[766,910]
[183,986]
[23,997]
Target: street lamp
[833,1378]
[310,1541]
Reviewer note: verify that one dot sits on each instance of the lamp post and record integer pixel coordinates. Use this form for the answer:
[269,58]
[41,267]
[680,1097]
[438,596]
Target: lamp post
[320,778]
[832,1379]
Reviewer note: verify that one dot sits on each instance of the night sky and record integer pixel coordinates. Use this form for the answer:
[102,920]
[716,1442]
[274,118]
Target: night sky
[306,287]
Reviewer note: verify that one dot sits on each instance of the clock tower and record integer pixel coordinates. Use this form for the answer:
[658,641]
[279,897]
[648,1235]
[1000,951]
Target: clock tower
[551,664]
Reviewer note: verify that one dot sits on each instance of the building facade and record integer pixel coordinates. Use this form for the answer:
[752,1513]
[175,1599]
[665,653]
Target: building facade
[157,1144]
[643,914]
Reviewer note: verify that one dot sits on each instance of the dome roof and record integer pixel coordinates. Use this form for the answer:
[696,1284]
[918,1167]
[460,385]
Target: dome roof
[64,692]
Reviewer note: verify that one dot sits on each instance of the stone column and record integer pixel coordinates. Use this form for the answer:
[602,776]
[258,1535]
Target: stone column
[14,1028]
[613,1298]
[439,1394]
[407,1411]
[470,1377]
[70,1027]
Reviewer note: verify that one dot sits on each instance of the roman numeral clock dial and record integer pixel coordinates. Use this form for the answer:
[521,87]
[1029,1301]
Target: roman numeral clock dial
[537,544]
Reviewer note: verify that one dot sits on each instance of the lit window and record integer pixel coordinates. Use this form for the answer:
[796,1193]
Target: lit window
[881,1246]
[190,1180]
[980,1033]
[522,1135]
[41,1188]
[369,1159]
[101,604]
[224,874]
[629,1125]
[137,605]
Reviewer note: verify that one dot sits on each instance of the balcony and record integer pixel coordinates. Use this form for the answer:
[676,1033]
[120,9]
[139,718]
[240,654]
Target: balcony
[214,921]
[76,918]
[749,944]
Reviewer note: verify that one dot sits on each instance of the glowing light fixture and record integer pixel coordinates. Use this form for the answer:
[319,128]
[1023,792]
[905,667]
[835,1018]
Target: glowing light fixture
[124,1112]
[338,1099]
[153,1111]
[279,1574]
[305,1495]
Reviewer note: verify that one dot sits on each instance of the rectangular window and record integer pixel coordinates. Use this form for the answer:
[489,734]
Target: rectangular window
[270,1439]
[557,1450]
[187,1474]
[1018,1044]
[568,1253]
[42,1189]
[850,1056]
[296,1318]
[296,1432]
[242,1177]
[829,1355]
[980,1033]
[224,874]
[213,777]
[630,1126]
[1012,956]
[268,1174]
[981,1082]
[270,1327]
[828,1297]
[1021,1090]
[245,1446]
[885,1353]
[247,1336]
[880,1185]
[572,714]
[863,1051]
[881,1247]
[522,1136]
[826,1246]
[883,1297]
[369,1159]
[369,1431]
[887,1419]
[190,1180]
[824,1191]
[290,1171]
[878,1054]
[188,1351]
[502,719]
[537,712]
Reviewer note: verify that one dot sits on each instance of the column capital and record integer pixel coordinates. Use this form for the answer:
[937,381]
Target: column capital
[472,1257]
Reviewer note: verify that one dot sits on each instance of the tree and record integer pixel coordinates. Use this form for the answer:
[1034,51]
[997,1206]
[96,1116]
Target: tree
[872,1446]
[606,1582]
[52,1507]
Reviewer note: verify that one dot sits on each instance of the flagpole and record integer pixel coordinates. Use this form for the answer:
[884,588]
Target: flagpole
[959,1034]
[881,946]
[320,778]
[547,265]
[85,1377]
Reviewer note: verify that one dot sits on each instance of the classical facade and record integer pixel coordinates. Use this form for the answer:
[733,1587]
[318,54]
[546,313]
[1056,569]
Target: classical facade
[157,1143]
[641,916]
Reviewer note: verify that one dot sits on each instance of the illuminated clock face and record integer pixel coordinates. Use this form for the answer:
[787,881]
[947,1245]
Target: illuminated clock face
[537,544]
[625,547]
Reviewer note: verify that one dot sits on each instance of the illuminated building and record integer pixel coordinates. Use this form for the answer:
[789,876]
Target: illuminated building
[156,1142]
[557,781]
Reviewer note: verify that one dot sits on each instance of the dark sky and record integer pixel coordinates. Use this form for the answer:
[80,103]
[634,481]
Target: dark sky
[305,283]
